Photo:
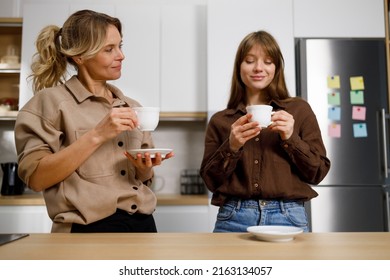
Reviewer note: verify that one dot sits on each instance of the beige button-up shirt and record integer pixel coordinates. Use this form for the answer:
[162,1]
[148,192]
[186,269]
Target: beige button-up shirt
[52,120]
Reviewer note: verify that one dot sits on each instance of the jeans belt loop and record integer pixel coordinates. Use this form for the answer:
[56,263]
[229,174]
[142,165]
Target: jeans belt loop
[238,204]
[282,209]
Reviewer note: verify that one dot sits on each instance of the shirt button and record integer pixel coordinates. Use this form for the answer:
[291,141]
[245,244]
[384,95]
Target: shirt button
[256,185]
[120,143]
[123,172]
[256,161]
[257,139]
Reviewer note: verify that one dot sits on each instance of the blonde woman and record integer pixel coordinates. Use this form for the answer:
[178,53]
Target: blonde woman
[72,136]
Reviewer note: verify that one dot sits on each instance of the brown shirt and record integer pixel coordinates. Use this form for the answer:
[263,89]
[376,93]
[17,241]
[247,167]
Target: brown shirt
[53,119]
[266,167]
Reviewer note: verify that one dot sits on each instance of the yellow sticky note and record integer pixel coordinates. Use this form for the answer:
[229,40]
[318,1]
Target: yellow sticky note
[357,83]
[333,81]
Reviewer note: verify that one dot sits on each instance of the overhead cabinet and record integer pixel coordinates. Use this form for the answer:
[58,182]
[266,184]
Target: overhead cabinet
[164,43]
[10,38]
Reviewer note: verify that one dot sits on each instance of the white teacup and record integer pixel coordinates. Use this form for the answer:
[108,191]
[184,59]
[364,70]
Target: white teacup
[148,117]
[261,114]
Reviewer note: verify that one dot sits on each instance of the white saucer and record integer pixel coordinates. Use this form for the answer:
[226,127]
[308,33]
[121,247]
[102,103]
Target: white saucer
[274,233]
[152,152]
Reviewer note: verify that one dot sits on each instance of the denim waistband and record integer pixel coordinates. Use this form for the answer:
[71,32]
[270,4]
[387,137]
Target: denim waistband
[263,204]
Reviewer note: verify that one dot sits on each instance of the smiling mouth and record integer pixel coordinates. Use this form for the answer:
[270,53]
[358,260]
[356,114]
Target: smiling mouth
[257,78]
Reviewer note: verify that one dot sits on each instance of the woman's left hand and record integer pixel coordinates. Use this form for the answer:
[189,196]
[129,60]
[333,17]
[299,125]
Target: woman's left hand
[145,164]
[283,123]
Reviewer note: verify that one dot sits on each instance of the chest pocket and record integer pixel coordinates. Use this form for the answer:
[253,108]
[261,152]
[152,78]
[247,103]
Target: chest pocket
[100,163]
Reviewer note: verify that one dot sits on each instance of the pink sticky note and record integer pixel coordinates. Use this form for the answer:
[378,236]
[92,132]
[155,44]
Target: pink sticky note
[359,113]
[334,130]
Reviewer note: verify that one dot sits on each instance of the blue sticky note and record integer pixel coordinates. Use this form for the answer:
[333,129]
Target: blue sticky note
[334,113]
[359,130]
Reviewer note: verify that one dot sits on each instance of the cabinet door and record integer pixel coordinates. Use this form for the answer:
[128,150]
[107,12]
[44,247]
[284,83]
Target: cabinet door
[141,46]
[24,219]
[227,26]
[8,8]
[183,58]
[182,218]
[55,13]
[335,18]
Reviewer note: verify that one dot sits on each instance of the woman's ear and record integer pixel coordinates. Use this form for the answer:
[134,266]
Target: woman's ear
[78,60]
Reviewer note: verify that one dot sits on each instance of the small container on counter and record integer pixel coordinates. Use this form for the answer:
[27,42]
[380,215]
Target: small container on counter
[11,183]
[191,182]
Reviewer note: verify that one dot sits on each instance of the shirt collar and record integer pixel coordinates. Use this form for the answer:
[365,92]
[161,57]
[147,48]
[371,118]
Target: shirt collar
[81,93]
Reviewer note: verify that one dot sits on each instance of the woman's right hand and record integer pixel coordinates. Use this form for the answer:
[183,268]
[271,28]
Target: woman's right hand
[241,131]
[118,120]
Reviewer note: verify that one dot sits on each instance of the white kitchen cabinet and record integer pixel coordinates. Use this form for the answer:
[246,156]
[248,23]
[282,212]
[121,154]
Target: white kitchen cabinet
[34,219]
[335,18]
[191,218]
[24,219]
[55,13]
[141,45]
[228,22]
[9,8]
[183,60]
[164,45]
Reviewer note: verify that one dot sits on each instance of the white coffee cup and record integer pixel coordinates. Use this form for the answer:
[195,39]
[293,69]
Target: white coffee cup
[261,114]
[148,117]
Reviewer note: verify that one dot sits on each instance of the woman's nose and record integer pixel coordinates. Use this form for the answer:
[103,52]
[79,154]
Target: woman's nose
[258,66]
[121,56]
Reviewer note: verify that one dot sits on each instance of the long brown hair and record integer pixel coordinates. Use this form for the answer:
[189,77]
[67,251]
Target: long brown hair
[277,89]
[83,34]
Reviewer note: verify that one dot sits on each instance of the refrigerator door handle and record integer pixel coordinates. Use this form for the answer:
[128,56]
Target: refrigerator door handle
[384,133]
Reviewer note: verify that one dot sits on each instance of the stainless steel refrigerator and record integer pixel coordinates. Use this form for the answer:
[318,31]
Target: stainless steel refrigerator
[345,82]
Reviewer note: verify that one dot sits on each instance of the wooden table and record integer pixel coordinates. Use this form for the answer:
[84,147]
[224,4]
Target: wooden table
[197,246]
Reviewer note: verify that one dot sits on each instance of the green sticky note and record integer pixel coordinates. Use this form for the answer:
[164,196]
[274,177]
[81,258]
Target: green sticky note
[334,98]
[357,97]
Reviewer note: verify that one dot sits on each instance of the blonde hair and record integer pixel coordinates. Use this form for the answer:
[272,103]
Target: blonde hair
[83,34]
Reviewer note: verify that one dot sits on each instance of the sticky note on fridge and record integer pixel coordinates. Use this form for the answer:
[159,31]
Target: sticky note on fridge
[357,83]
[357,97]
[334,130]
[334,113]
[334,98]
[359,113]
[333,81]
[359,130]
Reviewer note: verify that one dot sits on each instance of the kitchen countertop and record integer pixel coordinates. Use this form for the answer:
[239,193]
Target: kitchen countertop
[198,246]
[162,200]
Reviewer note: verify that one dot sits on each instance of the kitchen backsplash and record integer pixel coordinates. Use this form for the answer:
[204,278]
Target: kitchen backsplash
[186,138]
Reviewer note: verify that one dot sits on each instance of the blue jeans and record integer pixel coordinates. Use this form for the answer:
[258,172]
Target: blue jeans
[237,215]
